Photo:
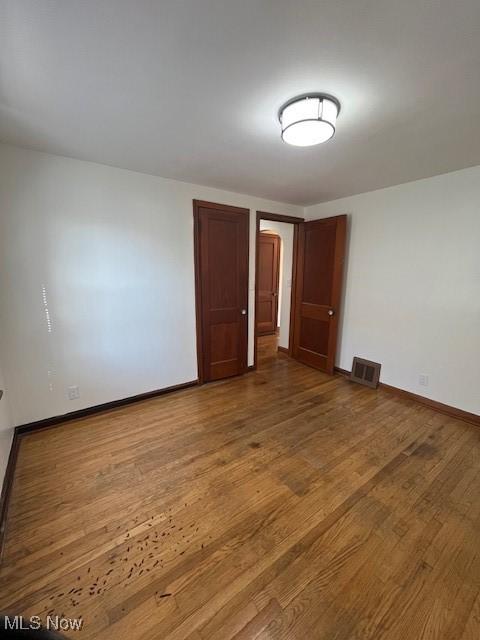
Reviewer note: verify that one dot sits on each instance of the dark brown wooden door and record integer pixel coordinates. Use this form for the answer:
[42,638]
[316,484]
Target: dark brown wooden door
[318,290]
[221,252]
[268,274]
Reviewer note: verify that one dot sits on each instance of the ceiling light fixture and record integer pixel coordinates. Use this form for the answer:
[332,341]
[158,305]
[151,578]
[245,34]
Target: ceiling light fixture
[309,119]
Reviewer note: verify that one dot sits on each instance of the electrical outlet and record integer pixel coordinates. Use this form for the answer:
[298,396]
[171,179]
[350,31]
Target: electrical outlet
[423,380]
[73,392]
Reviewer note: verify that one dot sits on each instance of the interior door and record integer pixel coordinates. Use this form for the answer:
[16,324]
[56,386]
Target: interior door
[221,261]
[318,290]
[268,275]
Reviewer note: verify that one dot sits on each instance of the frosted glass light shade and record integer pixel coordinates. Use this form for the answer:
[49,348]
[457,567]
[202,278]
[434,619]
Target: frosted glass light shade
[309,120]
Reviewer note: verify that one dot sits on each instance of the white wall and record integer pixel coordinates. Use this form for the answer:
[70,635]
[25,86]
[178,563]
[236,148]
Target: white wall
[285,231]
[97,280]
[412,294]
[109,254]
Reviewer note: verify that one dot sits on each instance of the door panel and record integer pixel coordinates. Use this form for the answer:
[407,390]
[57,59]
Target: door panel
[267,278]
[318,263]
[221,262]
[320,257]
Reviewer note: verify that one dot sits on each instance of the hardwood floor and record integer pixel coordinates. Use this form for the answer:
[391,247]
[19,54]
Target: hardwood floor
[282,504]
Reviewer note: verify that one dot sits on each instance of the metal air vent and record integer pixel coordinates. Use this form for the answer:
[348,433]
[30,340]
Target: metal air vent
[365,372]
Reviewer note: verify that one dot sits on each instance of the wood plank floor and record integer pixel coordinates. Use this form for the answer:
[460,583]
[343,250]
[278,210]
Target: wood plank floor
[282,504]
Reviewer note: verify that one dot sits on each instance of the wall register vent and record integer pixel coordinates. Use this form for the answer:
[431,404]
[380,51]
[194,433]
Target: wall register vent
[365,372]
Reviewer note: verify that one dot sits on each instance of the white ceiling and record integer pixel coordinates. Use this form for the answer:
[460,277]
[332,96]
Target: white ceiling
[189,89]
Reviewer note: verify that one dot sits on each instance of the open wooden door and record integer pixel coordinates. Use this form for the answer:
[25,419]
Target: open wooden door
[318,290]
[221,270]
[268,266]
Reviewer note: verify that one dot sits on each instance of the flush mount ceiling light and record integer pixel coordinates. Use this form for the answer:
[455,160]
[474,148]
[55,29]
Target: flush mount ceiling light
[309,119]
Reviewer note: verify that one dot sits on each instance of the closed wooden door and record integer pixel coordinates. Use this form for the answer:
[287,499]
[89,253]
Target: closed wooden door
[318,288]
[221,261]
[268,276]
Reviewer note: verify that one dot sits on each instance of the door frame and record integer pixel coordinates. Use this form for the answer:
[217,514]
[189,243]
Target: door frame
[277,284]
[197,205]
[276,217]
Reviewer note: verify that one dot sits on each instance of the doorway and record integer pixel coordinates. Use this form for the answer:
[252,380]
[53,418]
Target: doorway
[270,273]
[276,239]
[311,325]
